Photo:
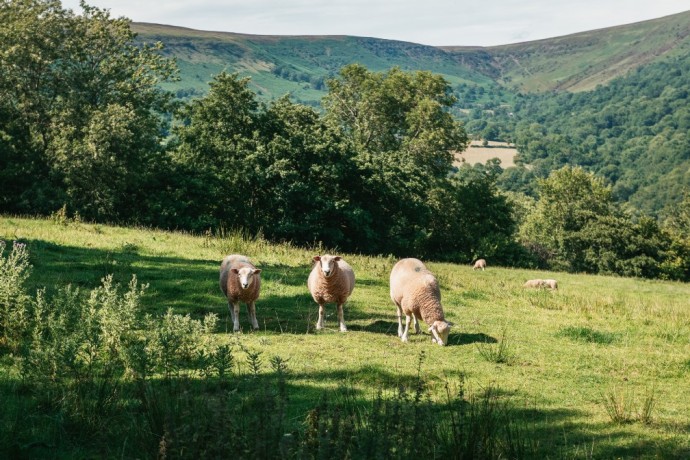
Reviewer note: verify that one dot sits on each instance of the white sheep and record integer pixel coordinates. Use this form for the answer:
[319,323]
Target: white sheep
[331,281]
[536,283]
[415,292]
[551,284]
[539,283]
[481,263]
[240,281]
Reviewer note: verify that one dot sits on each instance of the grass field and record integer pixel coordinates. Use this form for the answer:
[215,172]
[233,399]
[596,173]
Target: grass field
[568,362]
[476,153]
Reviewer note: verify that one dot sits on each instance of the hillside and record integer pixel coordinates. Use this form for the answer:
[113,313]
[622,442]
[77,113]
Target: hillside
[579,62]
[292,64]
[299,64]
[591,370]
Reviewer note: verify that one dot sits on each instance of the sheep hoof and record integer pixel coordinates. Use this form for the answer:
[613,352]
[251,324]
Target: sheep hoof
[343,329]
[404,338]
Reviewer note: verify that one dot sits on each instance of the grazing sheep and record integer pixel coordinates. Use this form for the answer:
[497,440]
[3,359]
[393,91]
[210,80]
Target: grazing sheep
[240,281]
[415,292]
[331,281]
[551,284]
[481,263]
[538,283]
[534,283]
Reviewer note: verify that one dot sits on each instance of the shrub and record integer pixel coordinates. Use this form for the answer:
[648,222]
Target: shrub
[14,301]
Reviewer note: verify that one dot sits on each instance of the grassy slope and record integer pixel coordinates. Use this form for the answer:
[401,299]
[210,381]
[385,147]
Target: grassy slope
[202,54]
[633,336]
[574,62]
[579,62]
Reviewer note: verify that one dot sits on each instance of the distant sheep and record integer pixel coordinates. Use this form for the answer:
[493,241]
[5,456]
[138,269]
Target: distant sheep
[240,281]
[551,284]
[481,263]
[331,281]
[534,283]
[539,283]
[415,292]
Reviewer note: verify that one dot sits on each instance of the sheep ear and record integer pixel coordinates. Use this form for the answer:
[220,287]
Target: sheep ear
[336,258]
[257,271]
[316,258]
[234,270]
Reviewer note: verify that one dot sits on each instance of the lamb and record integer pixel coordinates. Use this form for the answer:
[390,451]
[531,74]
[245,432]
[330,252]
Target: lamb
[240,280]
[415,291]
[331,281]
[480,263]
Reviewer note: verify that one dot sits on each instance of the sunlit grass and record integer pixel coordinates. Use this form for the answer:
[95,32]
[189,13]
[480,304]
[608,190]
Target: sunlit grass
[568,348]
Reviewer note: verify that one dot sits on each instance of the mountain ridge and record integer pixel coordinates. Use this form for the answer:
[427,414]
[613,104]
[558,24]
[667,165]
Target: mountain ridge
[299,64]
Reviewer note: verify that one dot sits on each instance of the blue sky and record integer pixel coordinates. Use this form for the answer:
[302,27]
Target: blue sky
[430,22]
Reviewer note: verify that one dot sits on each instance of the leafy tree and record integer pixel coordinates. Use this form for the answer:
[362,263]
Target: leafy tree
[470,218]
[402,134]
[278,169]
[576,225]
[306,176]
[215,156]
[677,225]
[80,108]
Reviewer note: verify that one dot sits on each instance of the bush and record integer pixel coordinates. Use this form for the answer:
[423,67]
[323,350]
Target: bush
[14,301]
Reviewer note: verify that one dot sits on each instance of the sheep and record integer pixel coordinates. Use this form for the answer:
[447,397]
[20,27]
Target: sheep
[533,283]
[415,292]
[551,284]
[539,283]
[331,281]
[240,280]
[481,263]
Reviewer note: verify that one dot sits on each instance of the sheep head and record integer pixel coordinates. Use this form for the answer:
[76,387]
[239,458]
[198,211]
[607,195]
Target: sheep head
[440,331]
[328,264]
[245,275]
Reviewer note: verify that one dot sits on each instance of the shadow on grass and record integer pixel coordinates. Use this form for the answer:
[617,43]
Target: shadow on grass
[190,409]
[187,286]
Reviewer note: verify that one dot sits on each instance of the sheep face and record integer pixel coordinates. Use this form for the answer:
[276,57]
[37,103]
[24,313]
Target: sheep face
[327,264]
[440,331]
[245,275]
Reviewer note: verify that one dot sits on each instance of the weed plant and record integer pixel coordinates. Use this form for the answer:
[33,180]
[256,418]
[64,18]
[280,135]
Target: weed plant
[499,353]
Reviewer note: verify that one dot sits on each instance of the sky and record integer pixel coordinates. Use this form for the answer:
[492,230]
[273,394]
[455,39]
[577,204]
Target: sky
[428,22]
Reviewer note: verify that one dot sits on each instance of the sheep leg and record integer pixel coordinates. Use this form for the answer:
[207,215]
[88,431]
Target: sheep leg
[251,307]
[400,326]
[417,329]
[235,316]
[341,319]
[319,323]
[407,329]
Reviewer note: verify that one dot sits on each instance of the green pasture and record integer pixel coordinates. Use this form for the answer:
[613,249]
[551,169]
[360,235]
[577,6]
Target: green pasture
[569,359]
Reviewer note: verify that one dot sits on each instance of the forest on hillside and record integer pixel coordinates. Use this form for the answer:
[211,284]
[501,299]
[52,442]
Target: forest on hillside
[87,132]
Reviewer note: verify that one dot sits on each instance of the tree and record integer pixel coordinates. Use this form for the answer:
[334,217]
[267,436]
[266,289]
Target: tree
[402,135]
[577,226]
[81,110]
[216,157]
[471,219]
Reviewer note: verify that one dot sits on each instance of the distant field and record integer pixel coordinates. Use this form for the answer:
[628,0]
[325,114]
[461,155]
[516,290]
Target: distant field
[475,153]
